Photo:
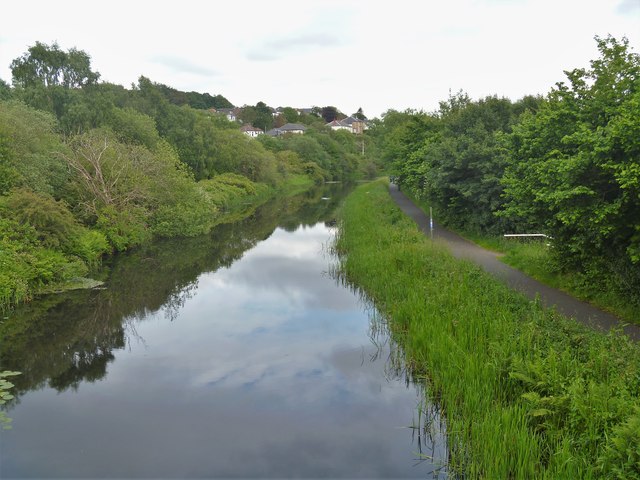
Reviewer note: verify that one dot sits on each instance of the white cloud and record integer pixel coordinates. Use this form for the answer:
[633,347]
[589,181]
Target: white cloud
[375,55]
[276,48]
[181,65]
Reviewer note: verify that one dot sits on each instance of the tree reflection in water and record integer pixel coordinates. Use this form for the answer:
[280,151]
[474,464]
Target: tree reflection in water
[62,340]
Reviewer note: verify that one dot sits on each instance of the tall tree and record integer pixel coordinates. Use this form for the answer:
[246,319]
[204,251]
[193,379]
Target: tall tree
[50,66]
[5,90]
[576,165]
[329,114]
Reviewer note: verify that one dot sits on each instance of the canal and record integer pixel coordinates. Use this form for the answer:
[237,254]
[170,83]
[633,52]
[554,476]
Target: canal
[233,355]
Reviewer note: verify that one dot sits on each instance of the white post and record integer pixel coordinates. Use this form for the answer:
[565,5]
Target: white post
[431,221]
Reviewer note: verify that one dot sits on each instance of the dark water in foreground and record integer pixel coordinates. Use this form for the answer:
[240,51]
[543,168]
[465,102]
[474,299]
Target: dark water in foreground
[231,355]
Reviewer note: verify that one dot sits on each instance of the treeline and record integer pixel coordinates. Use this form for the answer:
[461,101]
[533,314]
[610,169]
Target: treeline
[89,168]
[567,164]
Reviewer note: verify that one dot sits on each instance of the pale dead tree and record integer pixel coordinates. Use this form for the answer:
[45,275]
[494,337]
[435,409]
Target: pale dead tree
[102,166]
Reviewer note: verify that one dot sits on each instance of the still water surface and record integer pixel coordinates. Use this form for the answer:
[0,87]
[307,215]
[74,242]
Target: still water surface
[231,355]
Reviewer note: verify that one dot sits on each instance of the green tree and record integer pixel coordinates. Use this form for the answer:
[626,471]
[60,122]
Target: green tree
[55,225]
[291,114]
[464,163]
[237,153]
[28,146]
[329,114]
[309,150]
[5,90]
[575,168]
[134,127]
[9,175]
[50,66]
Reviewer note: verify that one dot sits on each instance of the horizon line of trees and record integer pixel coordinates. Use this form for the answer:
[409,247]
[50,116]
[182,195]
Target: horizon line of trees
[89,168]
[566,164]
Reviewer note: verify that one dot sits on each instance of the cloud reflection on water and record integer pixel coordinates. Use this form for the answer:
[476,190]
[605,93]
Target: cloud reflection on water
[266,371]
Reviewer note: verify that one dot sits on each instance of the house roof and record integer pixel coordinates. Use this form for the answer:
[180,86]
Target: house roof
[292,126]
[350,120]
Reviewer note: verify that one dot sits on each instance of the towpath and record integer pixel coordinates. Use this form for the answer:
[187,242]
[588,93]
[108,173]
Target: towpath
[550,297]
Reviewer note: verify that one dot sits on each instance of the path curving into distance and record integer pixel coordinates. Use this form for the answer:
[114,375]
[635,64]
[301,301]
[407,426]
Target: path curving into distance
[550,297]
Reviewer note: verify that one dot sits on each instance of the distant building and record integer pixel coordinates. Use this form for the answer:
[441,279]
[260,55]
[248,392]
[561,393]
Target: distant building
[297,128]
[338,125]
[293,128]
[230,113]
[252,131]
[354,125]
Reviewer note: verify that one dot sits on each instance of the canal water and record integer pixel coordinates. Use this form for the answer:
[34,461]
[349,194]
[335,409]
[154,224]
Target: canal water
[232,355]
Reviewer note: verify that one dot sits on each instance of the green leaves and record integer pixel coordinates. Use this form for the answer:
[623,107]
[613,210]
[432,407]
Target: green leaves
[575,170]
[49,65]
[622,456]
[5,396]
[456,158]
[5,385]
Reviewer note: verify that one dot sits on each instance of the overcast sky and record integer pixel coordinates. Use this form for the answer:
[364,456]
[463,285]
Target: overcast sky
[350,53]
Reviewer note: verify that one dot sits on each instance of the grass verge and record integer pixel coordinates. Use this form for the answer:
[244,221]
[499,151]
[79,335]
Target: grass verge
[526,392]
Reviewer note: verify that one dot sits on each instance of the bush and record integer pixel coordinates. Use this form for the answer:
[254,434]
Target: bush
[622,456]
[90,246]
[50,266]
[239,181]
[186,219]
[124,229]
[53,222]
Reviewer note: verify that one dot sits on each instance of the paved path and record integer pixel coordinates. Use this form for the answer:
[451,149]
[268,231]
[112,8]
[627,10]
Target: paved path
[461,248]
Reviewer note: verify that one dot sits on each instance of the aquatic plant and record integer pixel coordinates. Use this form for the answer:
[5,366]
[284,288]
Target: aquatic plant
[5,396]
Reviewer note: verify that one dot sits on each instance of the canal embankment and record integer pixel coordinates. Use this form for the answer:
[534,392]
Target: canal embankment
[526,391]
[550,297]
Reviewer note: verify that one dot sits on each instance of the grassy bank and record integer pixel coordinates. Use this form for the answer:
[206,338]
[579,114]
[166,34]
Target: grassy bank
[526,393]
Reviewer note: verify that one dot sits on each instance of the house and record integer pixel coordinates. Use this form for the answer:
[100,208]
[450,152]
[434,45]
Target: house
[293,128]
[352,124]
[338,125]
[230,113]
[250,130]
[296,128]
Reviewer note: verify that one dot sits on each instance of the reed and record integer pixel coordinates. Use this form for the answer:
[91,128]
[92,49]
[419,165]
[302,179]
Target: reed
[526,392]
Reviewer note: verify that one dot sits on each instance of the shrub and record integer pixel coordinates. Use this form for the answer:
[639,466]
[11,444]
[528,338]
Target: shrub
[183,219]
[90,245]
[52,220]
[124,229]
[622,457]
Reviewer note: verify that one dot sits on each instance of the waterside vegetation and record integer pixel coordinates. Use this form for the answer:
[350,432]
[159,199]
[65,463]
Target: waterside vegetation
[526,392]
[88,169]
[566,165]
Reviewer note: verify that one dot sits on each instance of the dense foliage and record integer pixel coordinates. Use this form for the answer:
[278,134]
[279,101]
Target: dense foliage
[567,165]
[88,168]
[526,392]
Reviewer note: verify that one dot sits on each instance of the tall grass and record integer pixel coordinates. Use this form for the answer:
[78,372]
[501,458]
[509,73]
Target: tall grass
[526,392]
